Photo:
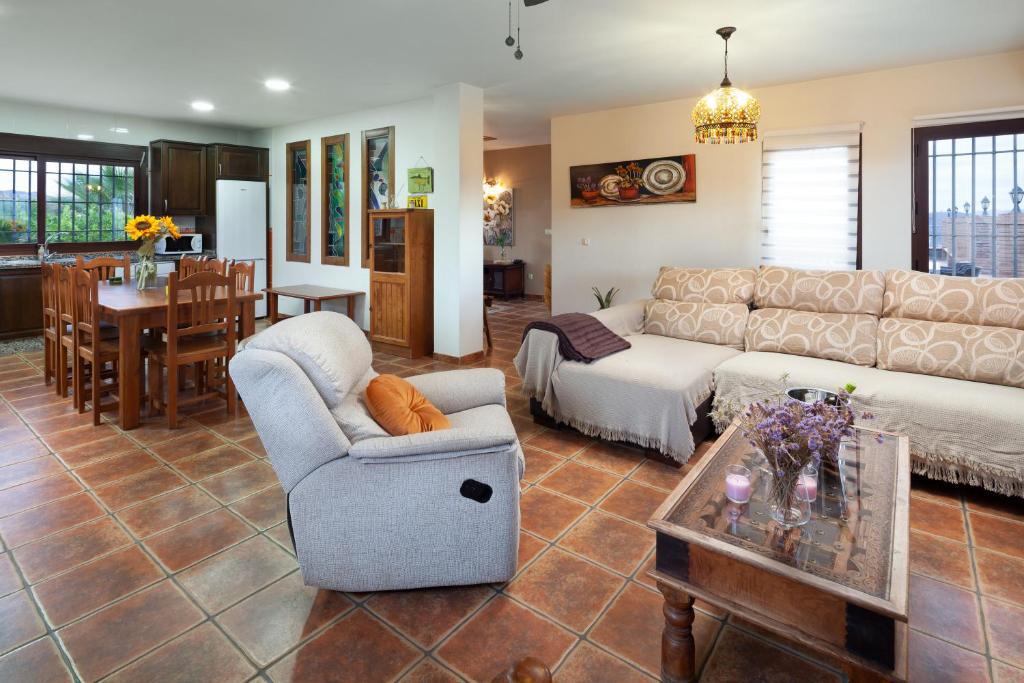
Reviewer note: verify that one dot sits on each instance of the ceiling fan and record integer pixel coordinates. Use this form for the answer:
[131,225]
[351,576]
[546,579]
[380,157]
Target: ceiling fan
[510,41]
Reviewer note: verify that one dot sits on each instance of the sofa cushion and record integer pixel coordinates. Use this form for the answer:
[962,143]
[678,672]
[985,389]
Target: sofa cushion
[647,394]
[820,291]
[329,347]
[709,323]
[966,432]
[972,352]
[705,285]
[846,337]
[944,298]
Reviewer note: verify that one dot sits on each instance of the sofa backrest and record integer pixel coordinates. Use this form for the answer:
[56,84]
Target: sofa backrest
[329,347]
[829,314]
[958,327]
[708,305]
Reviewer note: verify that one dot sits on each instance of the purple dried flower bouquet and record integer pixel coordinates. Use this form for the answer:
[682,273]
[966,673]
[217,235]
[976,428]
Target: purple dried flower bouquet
[792,435]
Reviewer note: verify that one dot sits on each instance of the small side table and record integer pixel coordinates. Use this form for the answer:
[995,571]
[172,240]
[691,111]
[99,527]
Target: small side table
[313,297]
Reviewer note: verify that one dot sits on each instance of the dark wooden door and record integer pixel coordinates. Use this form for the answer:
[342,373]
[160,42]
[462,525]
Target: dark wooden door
[21,307]
[178,174]
[241,163]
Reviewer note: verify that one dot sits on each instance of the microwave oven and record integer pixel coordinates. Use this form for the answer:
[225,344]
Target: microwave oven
[186,244]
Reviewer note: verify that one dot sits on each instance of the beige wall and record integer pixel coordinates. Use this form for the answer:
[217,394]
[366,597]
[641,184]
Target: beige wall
[629,243]
[527,170]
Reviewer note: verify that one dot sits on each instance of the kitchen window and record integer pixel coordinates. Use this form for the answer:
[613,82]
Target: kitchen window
[75,194]
[968,217]
[810,200]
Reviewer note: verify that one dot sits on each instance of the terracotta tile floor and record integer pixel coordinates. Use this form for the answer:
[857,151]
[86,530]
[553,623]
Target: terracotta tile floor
[150,554]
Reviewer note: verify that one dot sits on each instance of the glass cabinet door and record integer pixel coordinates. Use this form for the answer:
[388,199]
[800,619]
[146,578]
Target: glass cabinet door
[389,245]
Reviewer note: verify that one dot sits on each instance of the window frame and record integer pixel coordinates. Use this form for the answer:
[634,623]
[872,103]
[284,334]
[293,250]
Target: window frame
[290,255]
[47,149]
[366,253]
[859,261]
[325,217]
[919,257]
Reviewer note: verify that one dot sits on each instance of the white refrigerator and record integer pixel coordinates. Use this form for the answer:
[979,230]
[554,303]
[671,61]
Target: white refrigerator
[242,228]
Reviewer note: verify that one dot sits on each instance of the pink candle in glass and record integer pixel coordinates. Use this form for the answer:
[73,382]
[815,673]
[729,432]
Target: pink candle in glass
[807,487]
[737,484]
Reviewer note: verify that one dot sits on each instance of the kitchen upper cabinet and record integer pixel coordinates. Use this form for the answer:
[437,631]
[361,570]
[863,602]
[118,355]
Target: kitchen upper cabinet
[236,162]
[177,178]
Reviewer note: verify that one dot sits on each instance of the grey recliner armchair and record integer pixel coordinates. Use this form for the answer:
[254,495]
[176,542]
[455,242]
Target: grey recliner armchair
[369,511]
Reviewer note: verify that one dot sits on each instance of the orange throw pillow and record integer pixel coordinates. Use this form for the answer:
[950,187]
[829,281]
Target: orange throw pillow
[401,409]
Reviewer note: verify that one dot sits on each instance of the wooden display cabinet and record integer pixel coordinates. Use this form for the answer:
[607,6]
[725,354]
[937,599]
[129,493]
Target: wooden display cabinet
[402,281]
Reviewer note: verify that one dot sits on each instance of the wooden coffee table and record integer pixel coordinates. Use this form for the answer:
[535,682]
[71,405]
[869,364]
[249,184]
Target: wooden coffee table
[837,585]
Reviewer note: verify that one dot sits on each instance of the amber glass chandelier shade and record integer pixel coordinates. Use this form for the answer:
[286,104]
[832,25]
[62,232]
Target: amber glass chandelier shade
[727,115]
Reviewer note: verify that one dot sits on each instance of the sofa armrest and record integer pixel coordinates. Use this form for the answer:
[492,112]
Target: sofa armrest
[624,319]
[442,444]
[453,391]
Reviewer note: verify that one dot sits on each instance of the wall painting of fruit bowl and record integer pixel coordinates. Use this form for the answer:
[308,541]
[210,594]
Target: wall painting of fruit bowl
[663,180]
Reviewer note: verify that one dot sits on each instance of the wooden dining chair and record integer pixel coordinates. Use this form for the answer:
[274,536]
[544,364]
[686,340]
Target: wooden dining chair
[198,332]
[66,349]
[105,267]
[51,325]
[220,266]
[190,266]
[95,347]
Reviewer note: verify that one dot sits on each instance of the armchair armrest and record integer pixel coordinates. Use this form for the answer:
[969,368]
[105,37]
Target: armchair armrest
[624,319]
[446,443]
[453,391]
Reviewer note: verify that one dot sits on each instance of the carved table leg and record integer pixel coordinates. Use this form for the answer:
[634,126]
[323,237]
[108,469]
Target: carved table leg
[678,652]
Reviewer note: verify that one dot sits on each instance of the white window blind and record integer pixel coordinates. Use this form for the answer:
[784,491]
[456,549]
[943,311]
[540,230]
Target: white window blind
[810,189]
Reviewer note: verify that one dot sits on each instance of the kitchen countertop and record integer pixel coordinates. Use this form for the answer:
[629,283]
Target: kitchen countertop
[25,261]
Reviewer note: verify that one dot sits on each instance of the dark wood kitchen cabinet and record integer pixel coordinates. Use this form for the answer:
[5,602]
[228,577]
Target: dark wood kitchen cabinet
[177,178]
[237,162]
[505,279]
[21,306]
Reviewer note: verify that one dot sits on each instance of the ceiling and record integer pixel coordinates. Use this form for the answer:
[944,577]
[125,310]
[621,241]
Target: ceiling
[153,57]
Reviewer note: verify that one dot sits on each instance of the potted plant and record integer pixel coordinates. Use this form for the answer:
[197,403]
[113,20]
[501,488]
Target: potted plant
[632,180]
[588,189]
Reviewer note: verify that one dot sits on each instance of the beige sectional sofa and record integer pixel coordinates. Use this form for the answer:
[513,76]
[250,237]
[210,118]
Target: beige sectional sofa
[936,357]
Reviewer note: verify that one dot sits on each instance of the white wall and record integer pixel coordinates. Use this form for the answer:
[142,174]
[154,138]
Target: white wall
[628,244]
[447,131]
[25,118]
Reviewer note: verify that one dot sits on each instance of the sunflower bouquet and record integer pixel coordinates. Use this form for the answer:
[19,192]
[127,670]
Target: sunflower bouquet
[148,229]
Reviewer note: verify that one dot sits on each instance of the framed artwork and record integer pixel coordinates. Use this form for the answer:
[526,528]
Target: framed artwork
[297,182]
[416,201]
[378,178]
[421,180]
[662,180]
[334,224]
[499,218]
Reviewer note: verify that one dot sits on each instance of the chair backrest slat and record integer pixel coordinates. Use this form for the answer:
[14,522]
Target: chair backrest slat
[244,275]
[211,307]
[106,266]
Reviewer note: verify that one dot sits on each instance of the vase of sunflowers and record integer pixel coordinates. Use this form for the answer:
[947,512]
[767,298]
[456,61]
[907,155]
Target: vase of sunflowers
[149,230]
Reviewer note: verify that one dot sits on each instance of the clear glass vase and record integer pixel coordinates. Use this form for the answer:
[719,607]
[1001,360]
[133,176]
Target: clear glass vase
[145,270]
[785,503]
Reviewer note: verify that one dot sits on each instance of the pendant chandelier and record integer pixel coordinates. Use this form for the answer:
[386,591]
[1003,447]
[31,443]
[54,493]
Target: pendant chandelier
[727,115]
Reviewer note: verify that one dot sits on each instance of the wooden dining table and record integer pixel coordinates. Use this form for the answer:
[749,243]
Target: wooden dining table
[133,310]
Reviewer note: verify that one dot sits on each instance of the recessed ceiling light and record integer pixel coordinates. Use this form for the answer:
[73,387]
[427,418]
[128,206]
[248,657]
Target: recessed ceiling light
[277,84]
[85,136]
[119,130]
[202,105]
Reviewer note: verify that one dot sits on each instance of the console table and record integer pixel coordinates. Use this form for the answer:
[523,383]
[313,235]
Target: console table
[312,297]
[504,279]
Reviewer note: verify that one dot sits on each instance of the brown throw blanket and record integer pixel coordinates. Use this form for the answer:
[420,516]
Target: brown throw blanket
[581,337]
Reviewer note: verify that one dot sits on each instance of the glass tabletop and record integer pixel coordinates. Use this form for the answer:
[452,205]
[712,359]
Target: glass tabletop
[849,538]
